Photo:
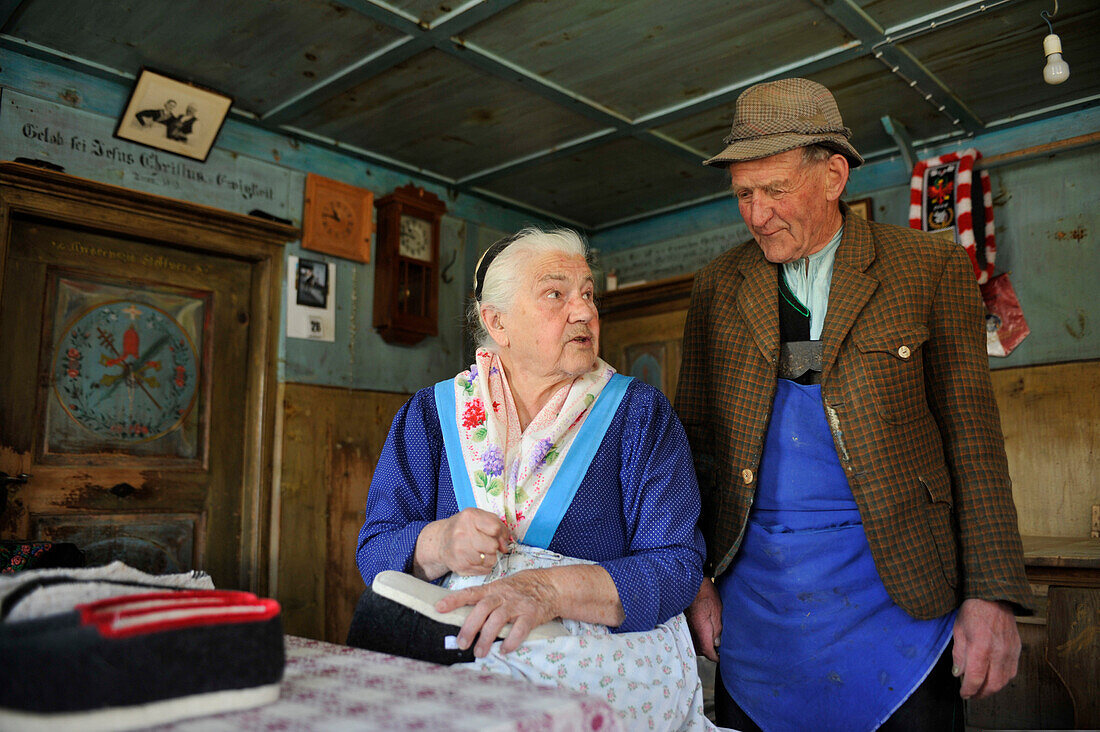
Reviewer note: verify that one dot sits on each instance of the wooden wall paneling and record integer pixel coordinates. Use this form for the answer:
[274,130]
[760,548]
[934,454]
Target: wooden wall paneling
[1035,699]
[331,441]
[1073,649]
[352,466]
[1049,415]
[302,532]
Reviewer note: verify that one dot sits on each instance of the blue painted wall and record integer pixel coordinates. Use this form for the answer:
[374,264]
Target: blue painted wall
[1047,212]
[358,358]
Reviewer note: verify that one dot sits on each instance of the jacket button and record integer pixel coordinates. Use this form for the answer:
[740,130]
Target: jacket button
[904,351]
[746,475]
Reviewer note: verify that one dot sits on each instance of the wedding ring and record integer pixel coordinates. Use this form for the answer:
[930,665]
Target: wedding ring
[482,555]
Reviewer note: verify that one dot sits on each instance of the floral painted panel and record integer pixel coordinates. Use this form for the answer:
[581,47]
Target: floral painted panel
[125,370]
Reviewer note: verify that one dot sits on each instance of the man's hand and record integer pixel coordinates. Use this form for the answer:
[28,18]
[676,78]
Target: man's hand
[987,647]
[525,599]
[704,617]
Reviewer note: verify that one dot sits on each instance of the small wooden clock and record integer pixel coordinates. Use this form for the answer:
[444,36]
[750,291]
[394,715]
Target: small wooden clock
[406,271]
[337,218]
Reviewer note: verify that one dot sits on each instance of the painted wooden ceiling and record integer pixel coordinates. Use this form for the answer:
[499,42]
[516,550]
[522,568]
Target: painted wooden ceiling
[593,112]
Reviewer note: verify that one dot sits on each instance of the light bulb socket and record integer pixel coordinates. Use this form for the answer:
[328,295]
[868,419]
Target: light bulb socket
[1052,44]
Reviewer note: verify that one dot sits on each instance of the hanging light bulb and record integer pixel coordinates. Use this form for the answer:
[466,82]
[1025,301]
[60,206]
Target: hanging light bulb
[1057,70]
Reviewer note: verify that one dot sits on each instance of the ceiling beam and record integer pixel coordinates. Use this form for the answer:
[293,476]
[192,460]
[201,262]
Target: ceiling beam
[940,19]
[642,128]
[494,65]
[345,79]
[852,18]
[653,213]
[419,37]
[805,67]
[444,36]
[571,147]
[1014,120]
[898,131]
[8,8]
[490,63]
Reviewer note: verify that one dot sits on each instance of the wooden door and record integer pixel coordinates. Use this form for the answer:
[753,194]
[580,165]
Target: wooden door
[641,329]
[136,342]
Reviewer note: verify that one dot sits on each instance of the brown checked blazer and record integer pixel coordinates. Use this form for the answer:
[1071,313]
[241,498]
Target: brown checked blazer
[907,395]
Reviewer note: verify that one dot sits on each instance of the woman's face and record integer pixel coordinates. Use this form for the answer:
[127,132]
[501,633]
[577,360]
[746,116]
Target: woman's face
[552,330]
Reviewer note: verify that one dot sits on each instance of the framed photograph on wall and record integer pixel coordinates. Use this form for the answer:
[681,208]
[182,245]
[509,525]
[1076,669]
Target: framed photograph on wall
[862,207]
[172,115]
[312,283]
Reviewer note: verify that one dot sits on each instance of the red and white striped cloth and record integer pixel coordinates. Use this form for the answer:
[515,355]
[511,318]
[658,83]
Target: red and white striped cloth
[941,198]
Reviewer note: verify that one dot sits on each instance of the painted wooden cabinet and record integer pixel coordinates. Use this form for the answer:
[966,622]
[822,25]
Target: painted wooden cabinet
[138,343]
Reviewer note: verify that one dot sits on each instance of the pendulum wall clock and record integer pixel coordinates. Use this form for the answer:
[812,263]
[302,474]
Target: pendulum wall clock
[406,275]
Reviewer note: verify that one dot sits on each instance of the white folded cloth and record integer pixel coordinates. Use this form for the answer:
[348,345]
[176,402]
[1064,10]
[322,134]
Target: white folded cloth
[40,592]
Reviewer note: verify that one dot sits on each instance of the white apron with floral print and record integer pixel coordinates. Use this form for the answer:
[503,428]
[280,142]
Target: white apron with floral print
[528,478]
[650,678]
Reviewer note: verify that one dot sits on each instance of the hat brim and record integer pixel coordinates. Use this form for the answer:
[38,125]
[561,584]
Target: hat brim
[768,145]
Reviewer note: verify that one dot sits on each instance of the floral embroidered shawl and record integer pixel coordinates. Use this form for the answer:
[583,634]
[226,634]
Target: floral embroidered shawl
[510,469]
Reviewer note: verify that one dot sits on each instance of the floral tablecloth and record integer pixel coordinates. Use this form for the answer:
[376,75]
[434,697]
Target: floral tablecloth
[331,687]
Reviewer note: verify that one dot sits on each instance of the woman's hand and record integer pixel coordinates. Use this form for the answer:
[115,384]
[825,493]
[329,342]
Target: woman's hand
[466,543]
[532,597]
[525,599]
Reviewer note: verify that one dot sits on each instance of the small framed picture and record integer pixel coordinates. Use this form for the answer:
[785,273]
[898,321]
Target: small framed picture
[172,115]
[863,208]
[312,283]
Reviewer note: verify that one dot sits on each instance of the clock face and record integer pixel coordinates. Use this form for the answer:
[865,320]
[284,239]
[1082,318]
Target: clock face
[337,218]
[416,239]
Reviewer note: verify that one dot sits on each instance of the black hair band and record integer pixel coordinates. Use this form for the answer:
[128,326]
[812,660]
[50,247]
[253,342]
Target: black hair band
[486,259]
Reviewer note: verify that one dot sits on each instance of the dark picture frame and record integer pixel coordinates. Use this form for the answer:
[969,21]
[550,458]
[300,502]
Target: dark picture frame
[173,115]
[311,283]
[863,208]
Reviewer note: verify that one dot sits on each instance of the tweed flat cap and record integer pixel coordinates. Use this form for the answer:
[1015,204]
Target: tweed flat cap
[778,116]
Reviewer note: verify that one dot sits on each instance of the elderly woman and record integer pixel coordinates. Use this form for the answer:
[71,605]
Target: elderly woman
[548,486]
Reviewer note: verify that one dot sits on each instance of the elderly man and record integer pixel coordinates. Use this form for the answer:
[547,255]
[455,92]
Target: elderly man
[856,500]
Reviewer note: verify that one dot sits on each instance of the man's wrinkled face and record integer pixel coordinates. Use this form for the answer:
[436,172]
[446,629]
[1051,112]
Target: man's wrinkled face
[789,204]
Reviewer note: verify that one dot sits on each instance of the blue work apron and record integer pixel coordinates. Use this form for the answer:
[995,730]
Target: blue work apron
[810,637]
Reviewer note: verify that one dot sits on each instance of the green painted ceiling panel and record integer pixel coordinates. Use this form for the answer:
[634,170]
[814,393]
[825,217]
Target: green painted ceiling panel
[436,113]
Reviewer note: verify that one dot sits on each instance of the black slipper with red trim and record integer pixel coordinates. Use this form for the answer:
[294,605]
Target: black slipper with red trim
[140,660]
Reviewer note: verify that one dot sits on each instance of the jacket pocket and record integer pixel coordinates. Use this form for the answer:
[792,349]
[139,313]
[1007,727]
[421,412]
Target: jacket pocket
[939,514]
[894,369]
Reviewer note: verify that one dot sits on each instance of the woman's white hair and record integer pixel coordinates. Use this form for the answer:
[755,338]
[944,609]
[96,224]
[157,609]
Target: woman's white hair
[505,274]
